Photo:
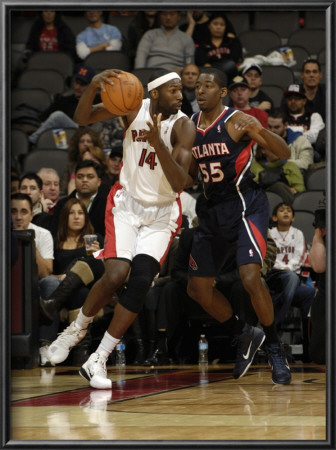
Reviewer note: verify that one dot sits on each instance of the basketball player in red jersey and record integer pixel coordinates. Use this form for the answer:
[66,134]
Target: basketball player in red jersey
[143,211]
[234,221]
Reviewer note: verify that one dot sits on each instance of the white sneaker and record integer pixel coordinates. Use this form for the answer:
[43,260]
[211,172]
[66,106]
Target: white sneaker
[94,370]
[59,350]
[44,360]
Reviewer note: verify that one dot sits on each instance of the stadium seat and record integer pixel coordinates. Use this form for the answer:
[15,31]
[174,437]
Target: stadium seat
[316,179]
[19,147]
[100,61]
[240,21]
[273,200]
[309,200]
[304,222]
[46,139]
[37,159]
[49,80]
[36,98]
[258,42]
[282,22]
[313,40]
[315,19]
[62,62]
[275,92]
[281,76]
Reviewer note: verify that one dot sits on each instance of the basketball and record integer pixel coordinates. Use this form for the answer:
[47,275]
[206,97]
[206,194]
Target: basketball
[124,96]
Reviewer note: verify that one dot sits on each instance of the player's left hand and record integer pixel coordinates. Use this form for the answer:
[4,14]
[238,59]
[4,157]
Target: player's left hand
[153,135]
[245,122]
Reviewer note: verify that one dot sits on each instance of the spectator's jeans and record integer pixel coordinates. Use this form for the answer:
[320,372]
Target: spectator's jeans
[57,119]
[48,330]
[286,290]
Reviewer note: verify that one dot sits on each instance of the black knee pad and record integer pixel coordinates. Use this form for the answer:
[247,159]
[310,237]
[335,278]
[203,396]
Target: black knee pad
[143,270]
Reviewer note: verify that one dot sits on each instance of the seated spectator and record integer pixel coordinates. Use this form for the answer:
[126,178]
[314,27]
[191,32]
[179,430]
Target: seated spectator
[284,281]
[239,91]
[197,26]
[60,113]
[218,49]
[299,119]
[73,268]
[111,132]
[113,161]
[50,188]
[276,175]
[258,98]
[31,184]
[142,22]
[98,36]
[311,76]
[189,77]
[301,149]
[317,259]
[22,214]
[91,191]
[80,141]
[49,33]
[97,155]
[166,47]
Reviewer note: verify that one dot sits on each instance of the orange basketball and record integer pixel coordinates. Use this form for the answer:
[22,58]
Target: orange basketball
[124,96]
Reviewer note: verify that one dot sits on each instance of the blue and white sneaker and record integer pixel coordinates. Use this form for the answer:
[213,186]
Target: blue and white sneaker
[248,343]
[281,373]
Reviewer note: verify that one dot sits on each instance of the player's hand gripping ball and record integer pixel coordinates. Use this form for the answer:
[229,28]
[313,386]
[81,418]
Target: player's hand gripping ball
[124,96]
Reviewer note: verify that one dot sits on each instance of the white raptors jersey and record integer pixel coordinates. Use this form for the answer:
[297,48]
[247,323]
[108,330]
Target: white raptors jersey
[291,248]
[141,174]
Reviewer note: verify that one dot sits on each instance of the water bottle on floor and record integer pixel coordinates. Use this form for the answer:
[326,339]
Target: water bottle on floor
[120,355]
[202,351]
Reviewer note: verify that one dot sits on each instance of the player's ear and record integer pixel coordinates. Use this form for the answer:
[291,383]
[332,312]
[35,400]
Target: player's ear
[154,93]
[224,92]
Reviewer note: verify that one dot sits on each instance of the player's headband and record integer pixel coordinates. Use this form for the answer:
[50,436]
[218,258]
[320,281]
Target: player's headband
[162,80]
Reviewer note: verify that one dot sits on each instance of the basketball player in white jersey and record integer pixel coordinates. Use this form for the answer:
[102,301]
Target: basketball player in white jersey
[143,212]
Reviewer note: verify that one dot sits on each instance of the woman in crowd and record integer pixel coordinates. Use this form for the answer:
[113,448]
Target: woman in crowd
[219,49]
[80,141]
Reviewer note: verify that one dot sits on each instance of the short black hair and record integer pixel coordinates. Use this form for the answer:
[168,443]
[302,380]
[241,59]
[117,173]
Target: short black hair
[275,209]
[277,113]
[219,75]
[22,196]
[32,176]
[310,60]
[89,163]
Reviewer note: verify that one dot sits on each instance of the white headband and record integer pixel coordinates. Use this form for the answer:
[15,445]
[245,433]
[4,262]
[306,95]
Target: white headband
[162,80]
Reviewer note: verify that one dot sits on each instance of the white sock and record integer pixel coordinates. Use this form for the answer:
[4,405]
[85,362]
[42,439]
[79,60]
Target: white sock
[82,321]
[107,344]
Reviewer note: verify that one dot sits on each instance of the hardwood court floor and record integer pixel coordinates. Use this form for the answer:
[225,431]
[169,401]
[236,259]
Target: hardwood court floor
[169,403]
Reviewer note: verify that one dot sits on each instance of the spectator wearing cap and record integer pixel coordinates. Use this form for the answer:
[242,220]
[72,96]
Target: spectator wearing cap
[239,91]
[113,162]
[98,36]
[258,98]
[60,112]
[299,119]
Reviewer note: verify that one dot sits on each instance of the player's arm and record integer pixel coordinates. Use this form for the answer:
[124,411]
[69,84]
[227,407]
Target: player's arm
[176,164]
[86,112]
[193,174]
[242,126]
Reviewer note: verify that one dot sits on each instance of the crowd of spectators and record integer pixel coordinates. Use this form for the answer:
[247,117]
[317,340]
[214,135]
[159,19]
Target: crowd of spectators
[63,207]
